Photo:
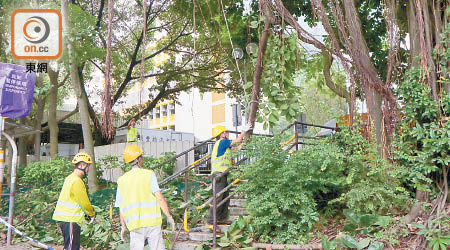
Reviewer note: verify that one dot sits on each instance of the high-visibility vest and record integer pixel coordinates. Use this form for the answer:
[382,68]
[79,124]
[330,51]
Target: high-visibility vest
[67,209]
[132,134]
[139,206]
[221,163]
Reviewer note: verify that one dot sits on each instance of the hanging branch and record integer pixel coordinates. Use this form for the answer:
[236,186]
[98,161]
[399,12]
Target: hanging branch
[144,40]
[264,7]
[107,130]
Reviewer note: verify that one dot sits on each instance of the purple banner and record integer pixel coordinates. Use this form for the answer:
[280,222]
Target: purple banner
[16,90]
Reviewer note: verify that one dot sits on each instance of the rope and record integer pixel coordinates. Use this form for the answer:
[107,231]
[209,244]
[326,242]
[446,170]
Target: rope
[24,236]
[231,42]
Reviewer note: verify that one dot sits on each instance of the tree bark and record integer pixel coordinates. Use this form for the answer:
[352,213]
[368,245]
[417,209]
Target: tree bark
[256,88]
[82,102]
[373,101]
[22,148]
[414,46]
[432,78]
[52,122]
[338,90]
[421,196]
[40,104]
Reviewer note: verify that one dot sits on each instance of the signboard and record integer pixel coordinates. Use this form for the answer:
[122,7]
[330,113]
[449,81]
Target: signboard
[16,90]
[237,116]
[36,34]
[302,129]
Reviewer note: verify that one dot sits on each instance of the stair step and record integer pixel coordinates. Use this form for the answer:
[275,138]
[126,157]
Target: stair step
[238,211]
[222,227]
[186,245]
[232,218]
[238,202]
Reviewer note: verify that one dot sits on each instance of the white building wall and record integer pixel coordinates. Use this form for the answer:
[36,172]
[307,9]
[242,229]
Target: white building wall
[194,114]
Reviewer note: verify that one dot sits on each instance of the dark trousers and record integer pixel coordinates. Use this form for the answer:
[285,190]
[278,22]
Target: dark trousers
[71,234]
[222,211]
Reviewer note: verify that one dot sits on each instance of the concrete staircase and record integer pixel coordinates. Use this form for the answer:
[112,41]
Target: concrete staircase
[189,241]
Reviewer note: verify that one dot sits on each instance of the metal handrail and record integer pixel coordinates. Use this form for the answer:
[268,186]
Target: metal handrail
[182,153]
[314,125]
[185,169]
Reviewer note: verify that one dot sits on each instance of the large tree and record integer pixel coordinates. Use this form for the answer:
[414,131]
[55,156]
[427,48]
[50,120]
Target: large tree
[194,59]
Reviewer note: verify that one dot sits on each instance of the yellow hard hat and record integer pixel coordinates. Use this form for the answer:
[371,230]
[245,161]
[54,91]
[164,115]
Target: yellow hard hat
[84,157]
[219,130]
[131,153]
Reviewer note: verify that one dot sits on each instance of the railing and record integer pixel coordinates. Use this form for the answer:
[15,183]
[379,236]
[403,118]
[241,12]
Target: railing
[292,142]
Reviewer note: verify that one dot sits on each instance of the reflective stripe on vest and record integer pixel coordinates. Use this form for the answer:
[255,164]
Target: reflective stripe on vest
[139,206]
[221,163]
[68,210]
[132,134]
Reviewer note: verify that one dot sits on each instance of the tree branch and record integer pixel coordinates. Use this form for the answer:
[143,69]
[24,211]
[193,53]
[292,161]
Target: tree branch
[338,90]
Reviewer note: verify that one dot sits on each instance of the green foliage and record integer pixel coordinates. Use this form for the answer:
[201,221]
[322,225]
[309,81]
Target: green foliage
[421,144]
[364,223]
[348,242]
[434,235]
[238,236]
[287,192]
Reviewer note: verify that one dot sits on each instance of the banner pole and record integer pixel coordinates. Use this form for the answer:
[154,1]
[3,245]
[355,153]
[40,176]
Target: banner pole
[2,157]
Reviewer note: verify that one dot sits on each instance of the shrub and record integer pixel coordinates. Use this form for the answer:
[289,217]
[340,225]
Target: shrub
[286,192]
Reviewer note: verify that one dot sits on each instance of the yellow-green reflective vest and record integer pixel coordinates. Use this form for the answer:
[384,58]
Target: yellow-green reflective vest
[67,209]
[139,206]
[221,163]
[132,134]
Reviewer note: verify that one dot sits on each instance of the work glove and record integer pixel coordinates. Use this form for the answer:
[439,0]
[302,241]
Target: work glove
[247,127]
[171,223]
[89,219]
[124,233]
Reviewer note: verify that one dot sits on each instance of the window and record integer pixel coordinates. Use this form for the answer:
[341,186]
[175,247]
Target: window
[151,114]
[172,127]
[172,108]
[157,112]
[164,110]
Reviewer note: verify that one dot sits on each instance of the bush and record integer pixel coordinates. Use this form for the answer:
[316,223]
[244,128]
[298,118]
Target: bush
[287,192]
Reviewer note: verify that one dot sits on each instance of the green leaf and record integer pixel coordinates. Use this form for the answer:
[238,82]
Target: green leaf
[350,227]
[363,243]
[248,85]
[254,24]
[273,118]
[376,246]
[383,221]
[241,222]
[223,244]
[368,220]
[417,225]
[354,218]
[349,241]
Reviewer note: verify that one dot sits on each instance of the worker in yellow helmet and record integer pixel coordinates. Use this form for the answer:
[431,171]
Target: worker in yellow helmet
[132,132]
[140,201]
[220,162]
[73,203]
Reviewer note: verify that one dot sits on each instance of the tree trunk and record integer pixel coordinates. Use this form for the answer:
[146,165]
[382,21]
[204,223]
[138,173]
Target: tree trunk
[256,88]
[52,122]
[338,90]
[432,78]
[373,102]
[40,104]
[82,102]
[421,196]
[22,148]
[414,50]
